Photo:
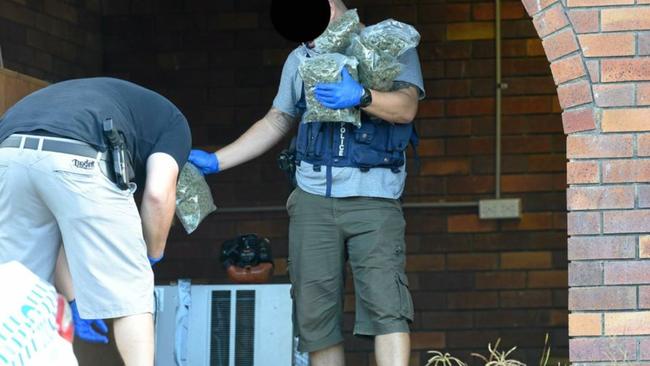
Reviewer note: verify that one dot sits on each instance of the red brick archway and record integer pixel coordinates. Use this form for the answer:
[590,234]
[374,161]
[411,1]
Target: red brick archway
[598,52]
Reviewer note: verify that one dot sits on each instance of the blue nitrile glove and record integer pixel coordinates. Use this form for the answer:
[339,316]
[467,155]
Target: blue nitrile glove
[344,94]
[205,161]
[89,330]
[153,261]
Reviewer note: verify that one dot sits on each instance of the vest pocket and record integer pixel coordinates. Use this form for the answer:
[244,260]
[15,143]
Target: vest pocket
[369,158]
[400,137]
[365,134]
[303,137]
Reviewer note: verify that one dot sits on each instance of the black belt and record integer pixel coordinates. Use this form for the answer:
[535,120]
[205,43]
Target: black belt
[71,147]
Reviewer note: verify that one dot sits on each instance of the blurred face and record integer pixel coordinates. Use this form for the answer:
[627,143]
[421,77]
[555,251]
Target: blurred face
[337,9]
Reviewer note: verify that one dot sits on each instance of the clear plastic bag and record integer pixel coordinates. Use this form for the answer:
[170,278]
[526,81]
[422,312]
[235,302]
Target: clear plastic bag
[377,49]
[327,69]
[336,37]
[391,36]
[193,198]
[377,70]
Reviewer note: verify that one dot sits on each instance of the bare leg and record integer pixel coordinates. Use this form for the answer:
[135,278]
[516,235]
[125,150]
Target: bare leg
[332,356]
[134,338]
[62,277]
[392,349]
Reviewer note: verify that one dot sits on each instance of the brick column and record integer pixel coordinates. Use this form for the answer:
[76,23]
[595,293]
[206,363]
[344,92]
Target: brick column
[599,51]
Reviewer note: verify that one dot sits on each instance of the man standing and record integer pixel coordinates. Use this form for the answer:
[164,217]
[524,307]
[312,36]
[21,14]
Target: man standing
[349,181]
[58,184]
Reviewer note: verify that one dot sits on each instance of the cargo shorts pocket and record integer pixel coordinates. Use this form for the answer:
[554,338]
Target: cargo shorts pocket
[294,312]
[405,300]
[292,199]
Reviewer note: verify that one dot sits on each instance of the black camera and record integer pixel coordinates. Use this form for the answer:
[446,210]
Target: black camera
[246,251]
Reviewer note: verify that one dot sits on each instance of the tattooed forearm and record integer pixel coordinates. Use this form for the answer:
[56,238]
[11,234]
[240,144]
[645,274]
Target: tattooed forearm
[280,121]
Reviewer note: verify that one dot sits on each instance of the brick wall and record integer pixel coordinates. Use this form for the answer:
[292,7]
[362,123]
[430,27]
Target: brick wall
[476,281]
[472,281]
[598,50]
[51,39]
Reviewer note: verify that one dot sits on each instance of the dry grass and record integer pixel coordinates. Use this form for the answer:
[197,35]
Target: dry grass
[446,359]
[495,357]
[615,352]
[499,358]
[546,352]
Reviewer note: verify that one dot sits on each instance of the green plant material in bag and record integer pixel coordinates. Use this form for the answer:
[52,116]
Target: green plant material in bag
[327,69]
[391,36]
[336,37]
[193,198]
[377,49]
[377,69]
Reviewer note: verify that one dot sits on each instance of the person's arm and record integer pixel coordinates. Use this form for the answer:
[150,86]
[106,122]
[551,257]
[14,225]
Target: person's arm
[158,202]
[399,106]
[258,139]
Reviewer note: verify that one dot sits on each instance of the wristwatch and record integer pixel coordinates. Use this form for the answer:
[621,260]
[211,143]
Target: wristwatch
[366,98]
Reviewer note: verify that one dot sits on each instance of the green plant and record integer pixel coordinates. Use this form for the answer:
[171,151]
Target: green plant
[440,359]
[546,352]
[496,357]
[499,358]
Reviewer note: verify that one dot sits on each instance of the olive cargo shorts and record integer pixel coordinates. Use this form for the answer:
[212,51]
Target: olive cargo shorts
[373,229]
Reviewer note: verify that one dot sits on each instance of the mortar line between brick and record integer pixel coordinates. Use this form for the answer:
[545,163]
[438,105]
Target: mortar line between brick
[600,21]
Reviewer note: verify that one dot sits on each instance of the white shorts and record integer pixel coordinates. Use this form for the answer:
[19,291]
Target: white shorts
[48,198]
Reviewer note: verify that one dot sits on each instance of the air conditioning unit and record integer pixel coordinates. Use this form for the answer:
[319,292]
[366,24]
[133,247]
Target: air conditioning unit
[224,325]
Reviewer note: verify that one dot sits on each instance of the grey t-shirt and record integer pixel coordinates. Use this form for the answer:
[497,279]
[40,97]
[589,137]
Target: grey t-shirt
[348,181]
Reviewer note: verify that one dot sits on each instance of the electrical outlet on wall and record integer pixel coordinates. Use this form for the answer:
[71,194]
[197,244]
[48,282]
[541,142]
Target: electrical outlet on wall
[504,208]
